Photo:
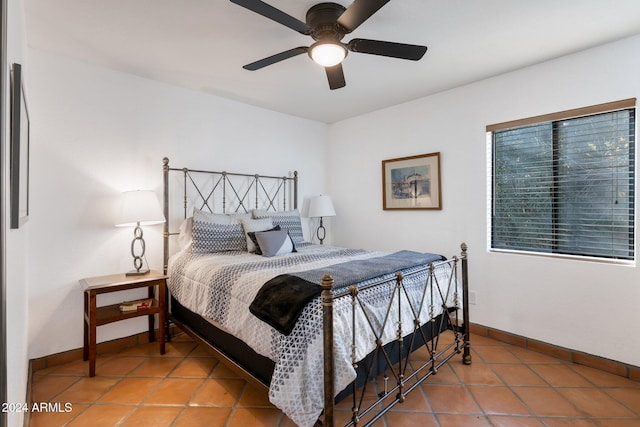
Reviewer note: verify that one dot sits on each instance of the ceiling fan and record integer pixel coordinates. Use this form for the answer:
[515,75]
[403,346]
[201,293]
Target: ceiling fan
[327,23]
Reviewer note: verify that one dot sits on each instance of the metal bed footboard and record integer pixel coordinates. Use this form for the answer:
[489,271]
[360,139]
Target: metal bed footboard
[406,373]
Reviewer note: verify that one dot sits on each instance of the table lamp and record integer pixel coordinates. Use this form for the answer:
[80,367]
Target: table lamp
[319,207]
[139,207]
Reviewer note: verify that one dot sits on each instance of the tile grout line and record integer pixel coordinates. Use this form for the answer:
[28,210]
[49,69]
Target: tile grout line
[604,389]
[568,364]
[466,389]
[138,404]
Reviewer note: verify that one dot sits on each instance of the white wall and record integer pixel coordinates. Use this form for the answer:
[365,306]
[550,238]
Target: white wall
[585,306]
[16,240]
[96,133]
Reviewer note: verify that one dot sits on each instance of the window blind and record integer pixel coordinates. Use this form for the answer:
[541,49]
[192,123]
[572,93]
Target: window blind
[566,185]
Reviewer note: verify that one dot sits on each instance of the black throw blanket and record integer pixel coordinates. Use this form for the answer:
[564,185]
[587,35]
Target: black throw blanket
[281,300]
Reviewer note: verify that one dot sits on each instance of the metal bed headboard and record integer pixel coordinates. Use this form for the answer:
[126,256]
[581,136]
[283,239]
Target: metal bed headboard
[225,192]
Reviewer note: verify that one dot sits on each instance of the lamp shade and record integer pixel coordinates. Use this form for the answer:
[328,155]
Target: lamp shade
[321,206]
[140,206]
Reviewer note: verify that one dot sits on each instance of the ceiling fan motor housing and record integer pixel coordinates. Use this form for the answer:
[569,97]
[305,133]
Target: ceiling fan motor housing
[323,20]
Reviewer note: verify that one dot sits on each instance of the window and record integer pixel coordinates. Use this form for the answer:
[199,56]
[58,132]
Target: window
[564,183]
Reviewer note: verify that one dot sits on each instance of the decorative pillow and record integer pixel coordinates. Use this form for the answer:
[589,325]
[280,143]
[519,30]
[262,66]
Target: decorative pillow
[289,220]
[217,233]
[253,225]
[275,242]
[184,236]
[254,239]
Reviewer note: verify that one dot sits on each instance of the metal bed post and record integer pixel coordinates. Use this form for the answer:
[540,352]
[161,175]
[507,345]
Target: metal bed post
[327,325]
[165,239]
[165,210]
[185,174]
[284,193]
[466,355]
[400,339]
[257,182]
[295,190]
[224,192]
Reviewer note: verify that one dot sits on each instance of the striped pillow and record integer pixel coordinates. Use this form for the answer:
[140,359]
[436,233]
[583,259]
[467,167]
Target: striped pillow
[211,234]
[288,220]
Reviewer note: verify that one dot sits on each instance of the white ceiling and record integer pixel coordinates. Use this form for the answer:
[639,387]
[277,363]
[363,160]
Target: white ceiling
[203,44]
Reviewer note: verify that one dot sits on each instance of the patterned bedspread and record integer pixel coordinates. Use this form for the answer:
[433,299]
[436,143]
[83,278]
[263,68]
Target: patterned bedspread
[221,286]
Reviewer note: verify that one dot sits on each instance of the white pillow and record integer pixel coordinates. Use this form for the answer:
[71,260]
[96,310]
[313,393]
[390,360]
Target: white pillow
[185,237]
[220,218]
[254,225]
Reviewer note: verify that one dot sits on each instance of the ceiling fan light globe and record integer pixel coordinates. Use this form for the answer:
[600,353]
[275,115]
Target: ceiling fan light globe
[327,54]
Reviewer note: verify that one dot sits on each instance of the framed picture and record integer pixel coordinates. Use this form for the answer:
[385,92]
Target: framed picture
[19,178]
[412,182]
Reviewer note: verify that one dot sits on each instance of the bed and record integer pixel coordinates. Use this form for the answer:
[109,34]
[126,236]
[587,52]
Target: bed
[315,324]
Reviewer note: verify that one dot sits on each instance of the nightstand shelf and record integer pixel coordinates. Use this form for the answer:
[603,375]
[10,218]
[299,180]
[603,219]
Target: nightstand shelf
[95,316]
[111,313]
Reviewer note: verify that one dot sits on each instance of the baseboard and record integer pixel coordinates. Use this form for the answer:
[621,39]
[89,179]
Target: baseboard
[103,347]
[562,353]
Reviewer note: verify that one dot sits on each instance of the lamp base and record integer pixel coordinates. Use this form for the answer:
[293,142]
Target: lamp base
[137,259]
[137,272]
[321,232]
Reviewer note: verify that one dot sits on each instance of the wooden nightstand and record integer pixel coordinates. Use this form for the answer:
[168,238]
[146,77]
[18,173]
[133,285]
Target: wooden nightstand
[95,316]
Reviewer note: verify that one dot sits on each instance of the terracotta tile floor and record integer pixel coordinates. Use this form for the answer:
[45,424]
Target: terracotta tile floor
[505,386]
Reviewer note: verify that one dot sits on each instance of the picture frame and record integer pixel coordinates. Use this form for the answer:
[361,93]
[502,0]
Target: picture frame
[412,183]
[19,162]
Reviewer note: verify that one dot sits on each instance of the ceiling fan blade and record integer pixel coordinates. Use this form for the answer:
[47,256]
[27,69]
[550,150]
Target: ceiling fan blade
[335,76]
[274,14]
[276,58]
[358,12]
[395,50]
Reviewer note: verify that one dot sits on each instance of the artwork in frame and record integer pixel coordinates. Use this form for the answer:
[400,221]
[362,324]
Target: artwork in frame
[19,175]
[412,182]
